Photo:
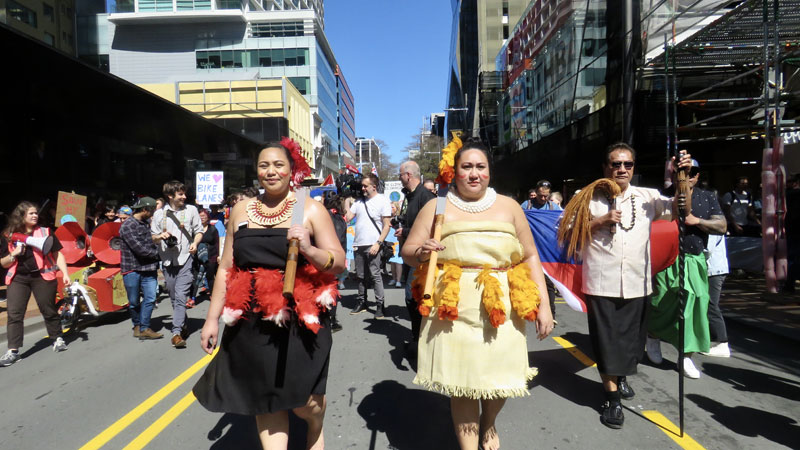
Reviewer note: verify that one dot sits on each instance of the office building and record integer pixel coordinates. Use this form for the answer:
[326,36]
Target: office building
[49,21]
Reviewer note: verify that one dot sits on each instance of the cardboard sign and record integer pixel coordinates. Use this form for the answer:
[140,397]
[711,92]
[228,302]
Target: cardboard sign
[73,205]
[393,190]
[210,188]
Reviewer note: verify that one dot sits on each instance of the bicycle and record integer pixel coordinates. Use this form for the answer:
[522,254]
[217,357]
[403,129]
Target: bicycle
[75,302]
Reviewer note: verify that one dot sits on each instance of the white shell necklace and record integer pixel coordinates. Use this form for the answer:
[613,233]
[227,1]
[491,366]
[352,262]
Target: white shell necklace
[474,207]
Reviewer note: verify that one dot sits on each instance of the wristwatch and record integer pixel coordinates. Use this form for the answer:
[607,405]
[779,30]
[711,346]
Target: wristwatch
[379,242]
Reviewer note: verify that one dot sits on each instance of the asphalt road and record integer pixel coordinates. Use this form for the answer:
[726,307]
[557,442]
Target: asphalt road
[112,391]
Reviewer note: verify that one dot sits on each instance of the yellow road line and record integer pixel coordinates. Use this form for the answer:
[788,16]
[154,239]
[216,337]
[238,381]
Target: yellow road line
[158,426]
[117,427]
[579,355]
[672,431]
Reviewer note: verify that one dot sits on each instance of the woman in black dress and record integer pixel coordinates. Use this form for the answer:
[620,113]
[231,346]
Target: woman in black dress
[274,352]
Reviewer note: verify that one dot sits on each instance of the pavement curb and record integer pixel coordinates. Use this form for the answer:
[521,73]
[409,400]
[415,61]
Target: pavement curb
[31,325]
[761,324]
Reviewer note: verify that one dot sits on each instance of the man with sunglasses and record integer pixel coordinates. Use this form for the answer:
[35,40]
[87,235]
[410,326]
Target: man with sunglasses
[539,197]
[706,218]
[616,275]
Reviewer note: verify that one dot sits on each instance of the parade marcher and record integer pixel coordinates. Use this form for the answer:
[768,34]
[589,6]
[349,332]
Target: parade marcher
[177,228]
[706,217]
[124,213]
[739,206]
[557,199]
[430,185]
[210,241]
[274,352]
[109,215]
[539,197]
[472,343]
[616,269]
[334,207]
[416,196]
[717,270]
[372,226]
[139,266]
[395,262]
[30,271]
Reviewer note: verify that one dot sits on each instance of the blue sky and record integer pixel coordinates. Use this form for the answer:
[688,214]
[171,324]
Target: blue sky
[395,56]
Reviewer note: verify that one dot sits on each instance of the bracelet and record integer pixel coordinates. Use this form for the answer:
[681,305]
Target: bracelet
[328,264]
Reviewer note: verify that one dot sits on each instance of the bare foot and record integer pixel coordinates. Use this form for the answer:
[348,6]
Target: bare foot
[489,439]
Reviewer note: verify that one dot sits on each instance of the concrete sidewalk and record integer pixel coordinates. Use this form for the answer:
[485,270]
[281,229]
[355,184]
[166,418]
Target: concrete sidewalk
[743,300]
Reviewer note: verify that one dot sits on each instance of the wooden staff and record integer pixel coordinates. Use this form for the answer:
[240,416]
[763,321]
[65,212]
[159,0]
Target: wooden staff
[438,220]
[290,272]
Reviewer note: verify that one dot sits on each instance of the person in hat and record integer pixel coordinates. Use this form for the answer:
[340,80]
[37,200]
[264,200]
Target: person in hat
[124,214]
[30,270]
[705,218]
[139,265]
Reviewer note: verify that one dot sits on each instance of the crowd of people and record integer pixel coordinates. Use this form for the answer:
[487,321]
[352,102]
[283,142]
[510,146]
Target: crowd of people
[468,263]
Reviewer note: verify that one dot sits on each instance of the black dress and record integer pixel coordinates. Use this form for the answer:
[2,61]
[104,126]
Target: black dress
[262,367]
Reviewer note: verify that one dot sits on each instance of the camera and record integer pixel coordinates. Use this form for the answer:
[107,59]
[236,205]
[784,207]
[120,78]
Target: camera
[349,185]
[396,222]
[171,241]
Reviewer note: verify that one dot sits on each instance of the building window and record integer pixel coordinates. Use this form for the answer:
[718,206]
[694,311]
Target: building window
[277,29]
[155,5]
[48,12]
[49,39]
[21,13]
[303,84]
[225,59]
[192,5]
[229,4]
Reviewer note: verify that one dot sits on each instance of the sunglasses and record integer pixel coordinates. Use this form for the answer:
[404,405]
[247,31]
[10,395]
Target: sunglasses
[617,164]
[544,184]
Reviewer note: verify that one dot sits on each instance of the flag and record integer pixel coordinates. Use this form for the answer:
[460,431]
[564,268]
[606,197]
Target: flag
[352,168]
[567,276]
[328,180]
[374,170]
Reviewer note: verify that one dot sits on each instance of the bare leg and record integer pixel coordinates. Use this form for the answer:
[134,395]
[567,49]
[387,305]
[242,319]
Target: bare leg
[466,413]
[273,430]
[489,411]
[609,382]
[313,413]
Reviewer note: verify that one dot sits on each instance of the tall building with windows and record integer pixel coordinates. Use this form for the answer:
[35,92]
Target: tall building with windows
[183,41]
[347,120]
[50,21]
[479,29]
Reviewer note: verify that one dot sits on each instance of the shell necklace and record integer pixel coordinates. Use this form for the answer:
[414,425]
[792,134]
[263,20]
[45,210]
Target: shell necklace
[474,207]
[633,213]
[259,214]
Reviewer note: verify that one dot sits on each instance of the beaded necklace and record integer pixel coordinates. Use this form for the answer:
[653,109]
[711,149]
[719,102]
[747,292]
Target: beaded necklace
[258,213]
[474,207]
[633,213]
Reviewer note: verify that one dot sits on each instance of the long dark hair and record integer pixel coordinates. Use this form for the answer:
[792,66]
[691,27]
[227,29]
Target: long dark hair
[16,221]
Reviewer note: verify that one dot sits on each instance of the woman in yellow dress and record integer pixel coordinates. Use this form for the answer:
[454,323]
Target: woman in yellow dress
[489,281]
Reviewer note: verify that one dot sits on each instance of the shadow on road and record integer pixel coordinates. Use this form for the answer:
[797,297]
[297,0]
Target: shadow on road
[242,433]
[558,373]
[751,422]
[751,381]
[385,410]
[395,333]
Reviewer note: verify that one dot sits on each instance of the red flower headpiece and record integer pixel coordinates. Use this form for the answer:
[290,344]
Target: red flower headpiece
[301,170]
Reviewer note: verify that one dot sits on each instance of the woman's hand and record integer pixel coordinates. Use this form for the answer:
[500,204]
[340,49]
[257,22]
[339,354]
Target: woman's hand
[18,249]
[300,233]
[544,323]
[65,279]
[430,245]
[208,336]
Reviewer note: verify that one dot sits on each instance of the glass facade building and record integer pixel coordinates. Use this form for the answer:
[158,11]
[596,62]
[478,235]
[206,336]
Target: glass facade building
[152,42]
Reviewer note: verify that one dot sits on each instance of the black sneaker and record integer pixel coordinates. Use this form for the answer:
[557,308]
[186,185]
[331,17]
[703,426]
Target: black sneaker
[625,389]
[612,416]
[335,326]
[379,314]
[361,306]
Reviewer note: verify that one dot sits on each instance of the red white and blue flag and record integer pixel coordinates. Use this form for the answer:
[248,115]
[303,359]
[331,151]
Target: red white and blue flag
[567,276]
[374,170]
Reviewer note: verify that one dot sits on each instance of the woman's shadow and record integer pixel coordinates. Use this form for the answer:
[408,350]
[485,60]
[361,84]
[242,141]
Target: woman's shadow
[411,419]
[242,433]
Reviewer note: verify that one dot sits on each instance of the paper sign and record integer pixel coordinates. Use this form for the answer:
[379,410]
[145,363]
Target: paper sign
[73,205]
[210,188]
[393,190]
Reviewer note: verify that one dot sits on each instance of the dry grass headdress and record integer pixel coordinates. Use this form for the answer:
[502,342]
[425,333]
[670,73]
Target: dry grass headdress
[574,228]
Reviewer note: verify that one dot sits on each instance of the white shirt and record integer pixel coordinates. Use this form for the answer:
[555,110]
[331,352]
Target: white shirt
[717,255]
[366,233]
[618,265]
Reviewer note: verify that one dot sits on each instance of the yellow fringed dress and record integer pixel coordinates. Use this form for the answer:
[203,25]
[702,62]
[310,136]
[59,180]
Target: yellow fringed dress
[468,357]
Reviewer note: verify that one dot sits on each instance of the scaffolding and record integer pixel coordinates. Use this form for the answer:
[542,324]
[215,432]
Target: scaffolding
[736,79]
